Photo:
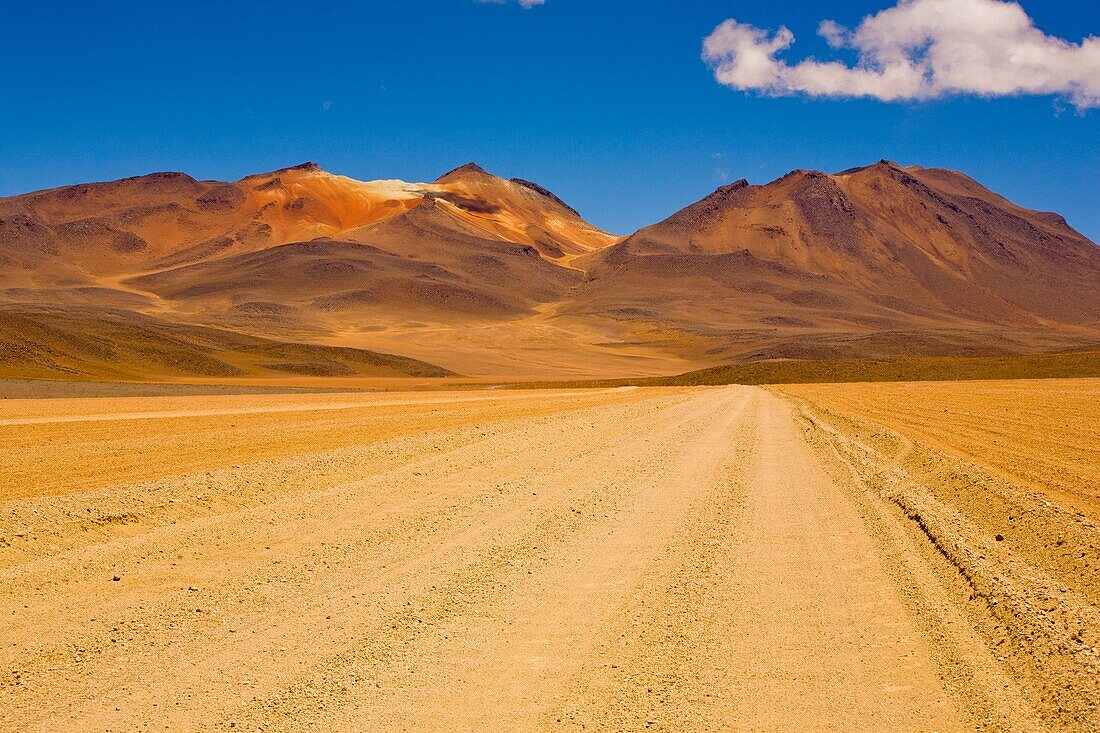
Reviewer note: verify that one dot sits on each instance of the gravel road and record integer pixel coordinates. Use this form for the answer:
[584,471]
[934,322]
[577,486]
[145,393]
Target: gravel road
[621,560]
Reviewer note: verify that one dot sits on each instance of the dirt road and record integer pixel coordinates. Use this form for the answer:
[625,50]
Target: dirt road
[677,560]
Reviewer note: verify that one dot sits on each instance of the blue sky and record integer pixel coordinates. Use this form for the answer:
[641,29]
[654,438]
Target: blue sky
[606,102]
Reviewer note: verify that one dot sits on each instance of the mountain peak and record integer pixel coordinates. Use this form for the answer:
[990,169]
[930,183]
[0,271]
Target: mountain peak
[888,164]
[309,166]
[463,170]
[804,174]
[724,193]
[730,188]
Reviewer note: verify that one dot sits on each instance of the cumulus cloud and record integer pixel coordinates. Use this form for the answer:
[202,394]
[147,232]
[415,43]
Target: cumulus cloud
[526,4]
[918,49]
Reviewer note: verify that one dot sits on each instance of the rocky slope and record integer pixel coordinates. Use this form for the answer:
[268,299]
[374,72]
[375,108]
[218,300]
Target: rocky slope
[882,259]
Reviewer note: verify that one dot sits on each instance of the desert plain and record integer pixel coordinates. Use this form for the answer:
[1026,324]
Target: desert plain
[872,557]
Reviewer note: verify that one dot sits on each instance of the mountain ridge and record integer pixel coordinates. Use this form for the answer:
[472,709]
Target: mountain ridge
[483,275]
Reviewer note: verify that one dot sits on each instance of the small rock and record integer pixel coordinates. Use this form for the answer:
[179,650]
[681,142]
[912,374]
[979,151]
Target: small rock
[116,578]
[1000,538]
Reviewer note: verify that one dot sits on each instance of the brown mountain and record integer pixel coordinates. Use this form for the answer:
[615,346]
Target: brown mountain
[85,234]
[871,261]
[295,255]
[481,275]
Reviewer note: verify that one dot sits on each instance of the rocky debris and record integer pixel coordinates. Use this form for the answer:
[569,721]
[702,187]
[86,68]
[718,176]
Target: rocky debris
[138,214]
[162,177]
[225,197]
[24,230]
[162,184]
[85,228]
[128,243]
[275,184]
[860,168]
[255,232]
[827,209]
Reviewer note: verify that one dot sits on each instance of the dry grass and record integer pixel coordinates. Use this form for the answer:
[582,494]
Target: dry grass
[84,344]
[910,369]
[1043,434]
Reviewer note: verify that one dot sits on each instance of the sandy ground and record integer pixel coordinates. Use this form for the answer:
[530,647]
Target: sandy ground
[631,559]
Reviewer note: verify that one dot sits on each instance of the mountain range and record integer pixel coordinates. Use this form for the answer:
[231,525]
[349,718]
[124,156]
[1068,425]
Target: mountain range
[303,272]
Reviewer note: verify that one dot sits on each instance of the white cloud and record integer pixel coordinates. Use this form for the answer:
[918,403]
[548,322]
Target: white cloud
[526,4]
[919,49]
